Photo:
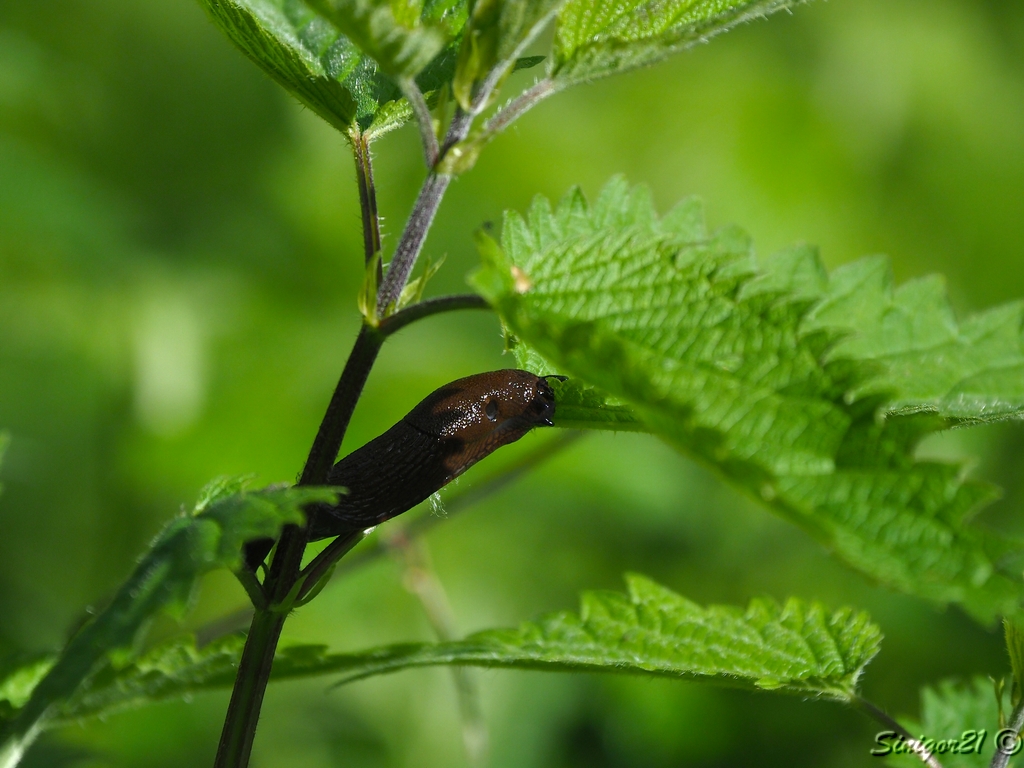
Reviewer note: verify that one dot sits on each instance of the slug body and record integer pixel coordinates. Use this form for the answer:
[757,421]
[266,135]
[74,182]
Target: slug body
[447,433]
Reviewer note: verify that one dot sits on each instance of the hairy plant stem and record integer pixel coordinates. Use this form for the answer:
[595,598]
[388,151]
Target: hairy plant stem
[1002,758]
[420,219]
[516,108]
[409,247]
[877,714]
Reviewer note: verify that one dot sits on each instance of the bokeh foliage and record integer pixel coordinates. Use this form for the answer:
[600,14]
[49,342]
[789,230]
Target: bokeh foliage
[179,255]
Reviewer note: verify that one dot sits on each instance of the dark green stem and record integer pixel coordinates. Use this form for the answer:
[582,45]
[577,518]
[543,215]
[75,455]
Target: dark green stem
[252,587]
[321,565]
[265,631]
[418,311]
[367,199]
[250,686]
[280,586]
[1002,757]
[339,411]
[342,545]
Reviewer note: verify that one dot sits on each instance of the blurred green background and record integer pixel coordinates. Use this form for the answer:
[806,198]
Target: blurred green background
[179,254]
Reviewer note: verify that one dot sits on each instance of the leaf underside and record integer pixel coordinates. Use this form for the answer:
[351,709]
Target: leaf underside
[401,37]
[809,391]
[795,648]
[347,59]
[303,52]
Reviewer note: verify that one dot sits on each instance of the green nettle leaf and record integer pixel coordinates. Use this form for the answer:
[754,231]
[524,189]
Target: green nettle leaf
[595,38]
[970,372]
[959,722]
[761,372]
[796,647]
[209,537]
[402,36]
[171,670]
[274,40]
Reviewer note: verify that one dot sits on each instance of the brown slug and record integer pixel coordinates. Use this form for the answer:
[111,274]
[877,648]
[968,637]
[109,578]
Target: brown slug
[447,433]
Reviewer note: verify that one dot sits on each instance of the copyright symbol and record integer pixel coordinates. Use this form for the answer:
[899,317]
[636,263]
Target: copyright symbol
[1008,741]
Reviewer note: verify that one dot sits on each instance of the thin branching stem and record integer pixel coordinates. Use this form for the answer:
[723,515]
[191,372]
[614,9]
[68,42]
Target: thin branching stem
[252,587]
[422,580]
[321,565]
[879,715]
[1002,757]
[421,112]
[367,198]
[516,108]
[494,78]
[436,184]
[282,585]
[418,311]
